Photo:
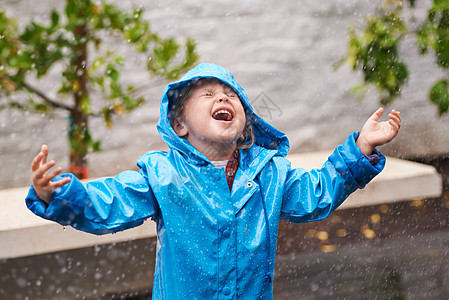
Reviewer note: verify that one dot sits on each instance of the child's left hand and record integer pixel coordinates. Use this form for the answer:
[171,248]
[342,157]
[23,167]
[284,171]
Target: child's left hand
[375,134]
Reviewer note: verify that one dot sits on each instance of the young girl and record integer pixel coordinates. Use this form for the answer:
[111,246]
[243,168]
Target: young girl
[218,194]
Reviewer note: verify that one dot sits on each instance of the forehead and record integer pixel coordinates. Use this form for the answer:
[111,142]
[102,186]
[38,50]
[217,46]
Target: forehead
[210,83]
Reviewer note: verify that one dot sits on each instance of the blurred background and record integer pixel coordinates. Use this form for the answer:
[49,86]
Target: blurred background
[284,53]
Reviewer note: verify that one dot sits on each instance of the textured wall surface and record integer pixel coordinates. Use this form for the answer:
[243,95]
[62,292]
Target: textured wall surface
[282,52]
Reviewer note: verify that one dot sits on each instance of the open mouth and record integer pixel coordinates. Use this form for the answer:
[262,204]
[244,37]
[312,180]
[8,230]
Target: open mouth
[222,115]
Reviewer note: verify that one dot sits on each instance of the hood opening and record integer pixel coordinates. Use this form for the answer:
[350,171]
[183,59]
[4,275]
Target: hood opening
[175,95]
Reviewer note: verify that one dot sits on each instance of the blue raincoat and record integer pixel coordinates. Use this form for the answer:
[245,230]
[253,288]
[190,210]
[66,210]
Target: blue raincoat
[212,243]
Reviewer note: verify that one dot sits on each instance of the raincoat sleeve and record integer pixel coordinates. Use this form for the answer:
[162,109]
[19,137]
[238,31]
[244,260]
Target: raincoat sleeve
[310,196]
[101,206]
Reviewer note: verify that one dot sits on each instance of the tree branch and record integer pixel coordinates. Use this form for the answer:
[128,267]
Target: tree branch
[46,98]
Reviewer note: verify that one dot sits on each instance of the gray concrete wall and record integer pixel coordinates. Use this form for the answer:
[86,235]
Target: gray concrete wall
[284,49]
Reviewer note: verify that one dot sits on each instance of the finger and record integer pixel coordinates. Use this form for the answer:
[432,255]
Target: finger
[44,150]
[394,127]
[35,164]
[53,174]
[377,114]
[396,113]
[395,118]
[43,169]
[59,183]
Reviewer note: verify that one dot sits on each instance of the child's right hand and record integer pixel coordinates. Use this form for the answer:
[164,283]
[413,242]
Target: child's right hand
[41,178]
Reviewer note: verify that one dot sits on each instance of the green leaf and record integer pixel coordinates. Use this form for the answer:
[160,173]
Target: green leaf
[423,40]
[96,146]
[38,106]
[132,103]
[85,105]
[119,60]
[412,3]
[70,9]
[439,95]
[22,61]
[107,116]
[442,49]
[97,63]
[112,73]
[54,20]
[136,32]
[190,58]
[17,105]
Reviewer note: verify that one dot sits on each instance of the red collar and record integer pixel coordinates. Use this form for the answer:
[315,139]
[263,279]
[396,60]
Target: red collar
[231,168]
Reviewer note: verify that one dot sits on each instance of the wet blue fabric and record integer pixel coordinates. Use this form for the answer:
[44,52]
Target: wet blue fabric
[212,243]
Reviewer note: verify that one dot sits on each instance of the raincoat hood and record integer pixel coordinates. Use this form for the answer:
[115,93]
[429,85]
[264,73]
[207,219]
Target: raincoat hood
[266,135]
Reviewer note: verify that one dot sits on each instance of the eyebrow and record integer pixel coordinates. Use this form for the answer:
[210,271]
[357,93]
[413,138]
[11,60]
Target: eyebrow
[206,89]
[226,88]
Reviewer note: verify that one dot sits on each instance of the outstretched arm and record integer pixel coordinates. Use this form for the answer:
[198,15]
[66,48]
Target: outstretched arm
[376,133]
[313,195]
[100,206]
[41,176]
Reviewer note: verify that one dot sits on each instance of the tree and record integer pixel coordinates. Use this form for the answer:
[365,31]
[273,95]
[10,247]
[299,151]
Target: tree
[373,49]
[73,45]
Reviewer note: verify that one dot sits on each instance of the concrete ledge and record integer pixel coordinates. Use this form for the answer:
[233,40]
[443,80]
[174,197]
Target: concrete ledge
[27,234]
[24,234]
[400,180]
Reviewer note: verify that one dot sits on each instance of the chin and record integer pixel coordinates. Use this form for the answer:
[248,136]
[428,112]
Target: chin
[230,138]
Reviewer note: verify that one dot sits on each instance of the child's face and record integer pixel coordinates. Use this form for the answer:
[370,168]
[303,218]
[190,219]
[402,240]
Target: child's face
[213,117]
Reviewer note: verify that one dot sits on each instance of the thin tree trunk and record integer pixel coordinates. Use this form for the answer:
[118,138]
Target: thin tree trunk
[79,134]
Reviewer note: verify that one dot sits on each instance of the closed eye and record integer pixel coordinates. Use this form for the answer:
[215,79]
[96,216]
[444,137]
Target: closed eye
[208,93]
[229,92]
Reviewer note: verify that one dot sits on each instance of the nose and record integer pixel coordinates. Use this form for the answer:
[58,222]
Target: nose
[222,97]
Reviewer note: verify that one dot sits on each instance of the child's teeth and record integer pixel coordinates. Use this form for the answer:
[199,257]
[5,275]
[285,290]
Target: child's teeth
[222,111]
